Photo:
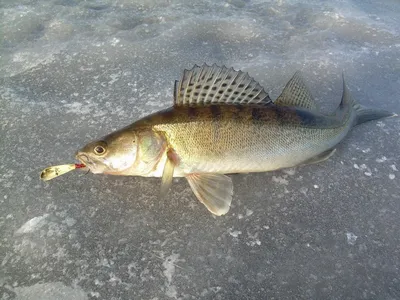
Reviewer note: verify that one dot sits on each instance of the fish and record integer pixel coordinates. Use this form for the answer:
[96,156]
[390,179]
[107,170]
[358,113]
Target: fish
[222,122]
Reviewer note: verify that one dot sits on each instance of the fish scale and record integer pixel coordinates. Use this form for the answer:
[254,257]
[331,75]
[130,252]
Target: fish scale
[253,145]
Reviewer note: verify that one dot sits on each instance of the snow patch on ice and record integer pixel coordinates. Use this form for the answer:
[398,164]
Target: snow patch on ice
[280,179]
[78,108]
[33,224]
[234,233]
[290,172]
[50,291]
[169,265]
[351,238]
[381,160]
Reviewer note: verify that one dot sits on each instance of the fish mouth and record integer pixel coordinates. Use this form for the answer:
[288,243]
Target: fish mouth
[86,160]
[92,164]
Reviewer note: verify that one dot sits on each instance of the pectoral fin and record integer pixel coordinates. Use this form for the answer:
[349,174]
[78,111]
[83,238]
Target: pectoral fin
[167,176]
[213,190]
[168,172]
[319,158]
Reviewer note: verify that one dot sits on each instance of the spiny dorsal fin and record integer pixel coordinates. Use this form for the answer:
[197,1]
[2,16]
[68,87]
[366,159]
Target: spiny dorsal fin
[297,94]
[218,85]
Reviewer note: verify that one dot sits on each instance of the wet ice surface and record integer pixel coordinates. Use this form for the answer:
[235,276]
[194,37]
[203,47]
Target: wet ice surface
[73,71]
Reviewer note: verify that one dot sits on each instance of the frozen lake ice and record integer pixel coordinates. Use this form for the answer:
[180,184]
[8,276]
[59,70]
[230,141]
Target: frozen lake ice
[72,71]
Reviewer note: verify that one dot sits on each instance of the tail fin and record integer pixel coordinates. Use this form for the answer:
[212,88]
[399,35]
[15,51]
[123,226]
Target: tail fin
[363,114]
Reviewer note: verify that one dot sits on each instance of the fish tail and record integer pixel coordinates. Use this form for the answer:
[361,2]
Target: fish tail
[365,114]
[362,113]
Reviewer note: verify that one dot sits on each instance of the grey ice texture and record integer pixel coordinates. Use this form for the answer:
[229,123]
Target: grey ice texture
[72,71]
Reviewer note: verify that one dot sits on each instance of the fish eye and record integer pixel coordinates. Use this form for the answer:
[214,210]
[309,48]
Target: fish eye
[99,149]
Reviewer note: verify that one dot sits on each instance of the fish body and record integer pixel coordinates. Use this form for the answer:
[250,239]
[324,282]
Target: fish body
[223,122]
[244,139]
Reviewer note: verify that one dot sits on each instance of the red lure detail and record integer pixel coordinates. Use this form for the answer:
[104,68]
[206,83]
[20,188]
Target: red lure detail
[79,166]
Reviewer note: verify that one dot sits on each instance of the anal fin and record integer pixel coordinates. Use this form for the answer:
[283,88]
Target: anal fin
[213,190]
[319,158]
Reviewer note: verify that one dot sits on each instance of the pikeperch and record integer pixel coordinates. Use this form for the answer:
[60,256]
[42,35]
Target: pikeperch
[223,122]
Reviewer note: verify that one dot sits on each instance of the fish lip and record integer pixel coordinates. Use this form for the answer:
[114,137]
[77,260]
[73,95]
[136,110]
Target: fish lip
[90,163]
[83,158]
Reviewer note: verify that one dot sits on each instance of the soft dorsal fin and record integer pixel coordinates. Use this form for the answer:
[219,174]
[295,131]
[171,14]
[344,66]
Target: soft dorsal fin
[207,85]
[297,94]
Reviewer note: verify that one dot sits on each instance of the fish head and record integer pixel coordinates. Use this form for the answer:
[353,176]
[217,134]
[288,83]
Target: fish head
[124,152]
[112,154]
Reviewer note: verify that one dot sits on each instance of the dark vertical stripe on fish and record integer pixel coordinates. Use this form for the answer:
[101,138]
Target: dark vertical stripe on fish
[192,112]
[237,112]
[216,124]
[306,118]
[280,115]
[215,112]
[256,114]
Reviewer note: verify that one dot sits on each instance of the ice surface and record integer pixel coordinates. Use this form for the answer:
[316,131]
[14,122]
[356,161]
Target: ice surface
[71,71]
